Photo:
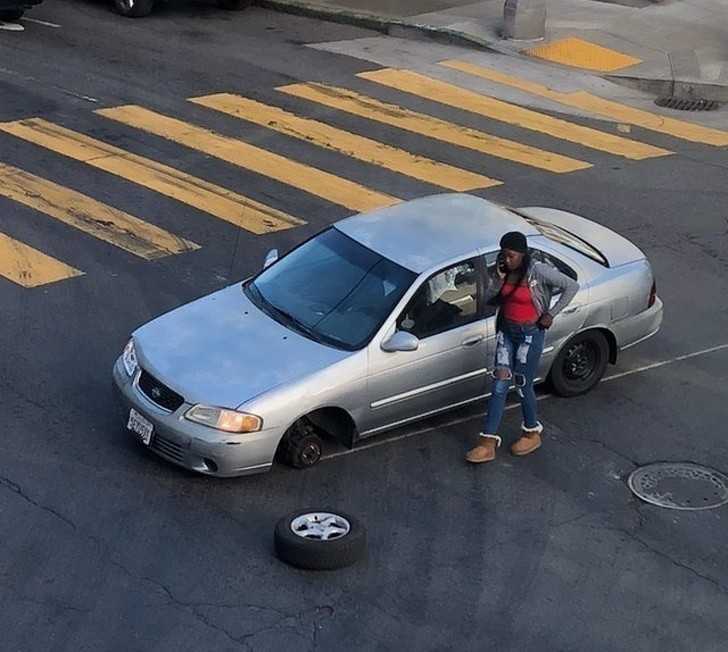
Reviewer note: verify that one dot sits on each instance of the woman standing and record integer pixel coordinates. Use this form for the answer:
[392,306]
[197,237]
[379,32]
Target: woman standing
[523,289]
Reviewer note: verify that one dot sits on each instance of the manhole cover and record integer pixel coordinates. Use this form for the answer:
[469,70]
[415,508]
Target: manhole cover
[679,485]
[681,104]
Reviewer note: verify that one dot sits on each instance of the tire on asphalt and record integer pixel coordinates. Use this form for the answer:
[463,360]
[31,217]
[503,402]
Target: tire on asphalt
[134,8]
[312,553]
[234,5]
[10,15]
[580,364]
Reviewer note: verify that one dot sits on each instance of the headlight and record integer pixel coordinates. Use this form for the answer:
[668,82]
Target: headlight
[129,358]
[227,420]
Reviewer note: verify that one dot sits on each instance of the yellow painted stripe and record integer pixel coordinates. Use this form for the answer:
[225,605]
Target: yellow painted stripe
[88,215]
[29,267]
[237,209]
[317,182]
[577,52]
[607,108]
[344,142]
[425,125]
[461,98]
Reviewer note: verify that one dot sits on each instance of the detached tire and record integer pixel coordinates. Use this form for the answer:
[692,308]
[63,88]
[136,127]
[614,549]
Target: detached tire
[11,14]
[580,365]
[320,539]
[234,5]
[134,8]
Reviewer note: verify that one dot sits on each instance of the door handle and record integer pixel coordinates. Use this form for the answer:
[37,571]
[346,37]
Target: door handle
[472,341]
[571,309]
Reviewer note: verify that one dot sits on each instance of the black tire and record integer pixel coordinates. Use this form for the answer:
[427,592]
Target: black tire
[11,14]
[234,5]
[302,447]
[316,554]
[580,365]
[134,8]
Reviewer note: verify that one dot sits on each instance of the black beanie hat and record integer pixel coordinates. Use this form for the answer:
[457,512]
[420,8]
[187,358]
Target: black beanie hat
[515,241]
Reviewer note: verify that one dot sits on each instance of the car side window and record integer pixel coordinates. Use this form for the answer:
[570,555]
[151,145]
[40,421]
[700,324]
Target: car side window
[553,261]
[446,300]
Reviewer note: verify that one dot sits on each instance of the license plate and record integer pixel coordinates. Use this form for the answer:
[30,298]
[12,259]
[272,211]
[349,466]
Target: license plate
[141,426]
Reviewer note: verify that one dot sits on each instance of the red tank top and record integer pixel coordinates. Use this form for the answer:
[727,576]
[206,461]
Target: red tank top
[518,305]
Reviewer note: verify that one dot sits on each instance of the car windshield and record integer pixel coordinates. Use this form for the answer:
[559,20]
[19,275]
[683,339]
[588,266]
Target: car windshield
[332,289]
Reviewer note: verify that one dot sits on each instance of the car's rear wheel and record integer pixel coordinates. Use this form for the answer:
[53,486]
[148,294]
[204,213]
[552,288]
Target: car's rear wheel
[319,539]
[581,364]
[11,14]
[134,8]
[234,5]
[301,448]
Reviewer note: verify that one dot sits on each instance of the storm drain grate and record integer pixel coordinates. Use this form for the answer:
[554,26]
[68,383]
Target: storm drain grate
[682,104]
[679,485]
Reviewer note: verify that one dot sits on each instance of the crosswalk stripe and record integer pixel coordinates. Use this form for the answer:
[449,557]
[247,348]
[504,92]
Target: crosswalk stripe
[317,182]
[588,102]
[367,107]
[86,214]
[29,267]
[462,98]
[237,209]
[347,143]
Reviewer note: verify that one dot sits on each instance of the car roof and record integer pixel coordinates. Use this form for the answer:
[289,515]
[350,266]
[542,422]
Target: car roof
[430,231]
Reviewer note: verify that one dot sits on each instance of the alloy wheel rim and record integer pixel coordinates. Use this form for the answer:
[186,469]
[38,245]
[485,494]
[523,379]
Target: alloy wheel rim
[320,526]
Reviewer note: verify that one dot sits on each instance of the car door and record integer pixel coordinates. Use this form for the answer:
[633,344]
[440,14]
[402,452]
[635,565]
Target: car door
[449,365]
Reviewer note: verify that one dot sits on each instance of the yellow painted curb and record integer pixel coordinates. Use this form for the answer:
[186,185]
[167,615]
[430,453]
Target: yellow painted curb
[583,54]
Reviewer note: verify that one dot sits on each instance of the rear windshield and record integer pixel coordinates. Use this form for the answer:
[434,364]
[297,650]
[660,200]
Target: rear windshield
[568,239]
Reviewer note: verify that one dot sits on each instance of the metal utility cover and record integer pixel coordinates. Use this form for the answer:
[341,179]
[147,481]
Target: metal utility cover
[679,485]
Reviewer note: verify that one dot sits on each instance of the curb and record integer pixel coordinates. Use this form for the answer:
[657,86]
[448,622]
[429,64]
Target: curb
[397,27]
[402,28]
[682,88]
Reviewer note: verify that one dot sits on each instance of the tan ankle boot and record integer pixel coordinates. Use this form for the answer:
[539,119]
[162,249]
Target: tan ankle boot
[530,440]
[485,450]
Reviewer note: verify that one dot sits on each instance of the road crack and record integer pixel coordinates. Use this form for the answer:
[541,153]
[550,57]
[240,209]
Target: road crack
[8,484]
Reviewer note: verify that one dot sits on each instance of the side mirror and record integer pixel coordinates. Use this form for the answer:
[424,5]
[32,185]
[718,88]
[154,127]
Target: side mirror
[400,341]
[270,258]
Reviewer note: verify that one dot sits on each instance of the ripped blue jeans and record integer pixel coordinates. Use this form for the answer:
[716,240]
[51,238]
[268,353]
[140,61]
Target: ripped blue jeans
[518,349]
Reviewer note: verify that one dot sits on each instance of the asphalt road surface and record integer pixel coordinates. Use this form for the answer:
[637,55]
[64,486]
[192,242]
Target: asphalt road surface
[110,216]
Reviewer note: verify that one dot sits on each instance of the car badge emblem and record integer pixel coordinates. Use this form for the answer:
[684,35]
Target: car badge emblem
[156,392]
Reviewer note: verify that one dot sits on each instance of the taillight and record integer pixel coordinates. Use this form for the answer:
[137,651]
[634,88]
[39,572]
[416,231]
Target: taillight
[653,295]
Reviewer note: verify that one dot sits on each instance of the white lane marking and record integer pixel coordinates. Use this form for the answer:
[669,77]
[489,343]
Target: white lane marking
[655,365]
[513,406]
[39,22]
[11,27]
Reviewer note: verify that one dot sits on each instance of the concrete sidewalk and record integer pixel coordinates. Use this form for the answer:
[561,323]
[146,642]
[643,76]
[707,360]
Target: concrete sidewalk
[674,48]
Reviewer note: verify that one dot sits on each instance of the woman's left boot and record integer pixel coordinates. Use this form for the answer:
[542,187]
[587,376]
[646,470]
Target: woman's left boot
[530,440]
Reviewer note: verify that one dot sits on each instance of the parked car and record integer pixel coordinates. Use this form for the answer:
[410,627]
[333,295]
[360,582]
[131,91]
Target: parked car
[13,9]
[140,8]
[373,323]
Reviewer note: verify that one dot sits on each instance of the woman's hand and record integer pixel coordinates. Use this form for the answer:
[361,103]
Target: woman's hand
[546,320]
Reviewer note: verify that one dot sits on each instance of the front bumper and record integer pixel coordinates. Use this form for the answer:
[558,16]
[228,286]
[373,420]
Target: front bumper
[194,446]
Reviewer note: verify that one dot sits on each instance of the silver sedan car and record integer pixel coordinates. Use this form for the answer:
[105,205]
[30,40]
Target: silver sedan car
[373,323]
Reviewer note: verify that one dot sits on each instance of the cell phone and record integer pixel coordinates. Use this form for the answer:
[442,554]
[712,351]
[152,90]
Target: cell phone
[501,262]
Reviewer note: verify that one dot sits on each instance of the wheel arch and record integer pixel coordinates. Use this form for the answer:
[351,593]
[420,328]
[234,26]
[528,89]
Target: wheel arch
[331,420]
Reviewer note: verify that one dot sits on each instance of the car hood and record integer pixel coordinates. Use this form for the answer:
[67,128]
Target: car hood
[614,247]
[221,350]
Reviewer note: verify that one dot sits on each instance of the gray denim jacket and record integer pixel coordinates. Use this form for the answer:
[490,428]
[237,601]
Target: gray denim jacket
[542,279]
